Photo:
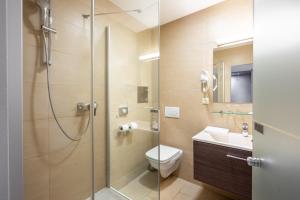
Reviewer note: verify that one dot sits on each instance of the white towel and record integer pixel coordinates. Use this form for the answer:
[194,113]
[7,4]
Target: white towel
[216,130]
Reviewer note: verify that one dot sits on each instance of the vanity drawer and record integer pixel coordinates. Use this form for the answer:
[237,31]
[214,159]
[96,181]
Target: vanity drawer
[213,166]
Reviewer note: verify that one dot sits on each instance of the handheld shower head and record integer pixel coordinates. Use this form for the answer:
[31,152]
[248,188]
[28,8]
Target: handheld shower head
[43,3]
[45,8]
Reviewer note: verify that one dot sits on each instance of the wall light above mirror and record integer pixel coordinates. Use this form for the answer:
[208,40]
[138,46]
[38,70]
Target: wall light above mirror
[232,67]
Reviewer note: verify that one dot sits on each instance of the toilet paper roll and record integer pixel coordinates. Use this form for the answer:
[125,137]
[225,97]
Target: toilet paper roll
[133,125]
[124,128]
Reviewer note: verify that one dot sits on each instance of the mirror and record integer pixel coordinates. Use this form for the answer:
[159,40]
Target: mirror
[232,72]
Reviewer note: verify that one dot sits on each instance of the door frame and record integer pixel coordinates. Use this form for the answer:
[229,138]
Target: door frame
[11,98]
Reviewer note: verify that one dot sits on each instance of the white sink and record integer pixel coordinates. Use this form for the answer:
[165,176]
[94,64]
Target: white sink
[229,139]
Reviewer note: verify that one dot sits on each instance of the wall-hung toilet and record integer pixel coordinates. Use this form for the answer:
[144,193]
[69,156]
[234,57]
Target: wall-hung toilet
[169,159]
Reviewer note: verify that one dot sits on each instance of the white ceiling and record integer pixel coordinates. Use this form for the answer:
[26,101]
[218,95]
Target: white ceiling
[149,14]
[170,10]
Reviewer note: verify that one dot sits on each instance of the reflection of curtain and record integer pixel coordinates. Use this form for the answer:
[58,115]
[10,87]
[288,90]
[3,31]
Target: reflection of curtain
[241,83]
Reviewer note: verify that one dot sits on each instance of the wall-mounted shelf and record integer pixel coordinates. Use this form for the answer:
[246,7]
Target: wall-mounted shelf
[221,112]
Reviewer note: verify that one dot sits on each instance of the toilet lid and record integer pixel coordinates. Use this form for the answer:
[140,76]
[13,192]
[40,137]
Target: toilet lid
[166,153]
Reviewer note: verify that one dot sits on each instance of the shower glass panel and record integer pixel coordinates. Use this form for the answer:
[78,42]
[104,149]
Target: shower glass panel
[84,78]
[126,38]
[57,101]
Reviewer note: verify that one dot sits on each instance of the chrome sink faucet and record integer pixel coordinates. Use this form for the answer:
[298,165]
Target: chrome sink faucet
[245,129]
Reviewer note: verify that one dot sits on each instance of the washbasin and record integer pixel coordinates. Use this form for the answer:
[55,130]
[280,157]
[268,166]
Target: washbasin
[224,137]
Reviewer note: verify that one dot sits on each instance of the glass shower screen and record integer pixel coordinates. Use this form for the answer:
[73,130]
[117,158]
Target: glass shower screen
[91,109]
[126,38]
[57,96]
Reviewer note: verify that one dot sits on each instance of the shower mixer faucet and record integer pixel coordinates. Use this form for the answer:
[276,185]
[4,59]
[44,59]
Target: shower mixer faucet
[82,107]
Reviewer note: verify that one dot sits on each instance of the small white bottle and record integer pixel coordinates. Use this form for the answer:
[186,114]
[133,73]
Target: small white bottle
[245,128]
[154,125]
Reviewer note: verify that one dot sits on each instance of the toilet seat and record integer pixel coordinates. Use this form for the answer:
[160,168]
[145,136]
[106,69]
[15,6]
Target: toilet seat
[169,159]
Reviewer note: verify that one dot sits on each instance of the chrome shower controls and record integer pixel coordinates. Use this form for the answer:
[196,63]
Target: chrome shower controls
[82,107]
[123,111]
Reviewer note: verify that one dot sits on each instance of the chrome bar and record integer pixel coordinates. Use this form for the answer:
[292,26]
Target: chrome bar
[48,29]
[107,106]
[92,117]
[118,12]
[110,13]
[235,157]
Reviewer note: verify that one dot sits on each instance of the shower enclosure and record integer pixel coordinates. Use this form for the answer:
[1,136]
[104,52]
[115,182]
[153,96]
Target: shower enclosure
[90,95]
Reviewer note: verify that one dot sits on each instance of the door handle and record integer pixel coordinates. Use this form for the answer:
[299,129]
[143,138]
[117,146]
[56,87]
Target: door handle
[251,161]
[254,162]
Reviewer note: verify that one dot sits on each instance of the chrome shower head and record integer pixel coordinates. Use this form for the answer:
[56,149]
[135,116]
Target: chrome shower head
[43,4]
[45,7]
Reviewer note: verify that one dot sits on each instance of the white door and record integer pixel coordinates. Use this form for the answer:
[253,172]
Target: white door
[277,99]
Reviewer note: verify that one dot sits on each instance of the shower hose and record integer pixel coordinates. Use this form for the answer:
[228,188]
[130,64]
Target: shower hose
[66,134]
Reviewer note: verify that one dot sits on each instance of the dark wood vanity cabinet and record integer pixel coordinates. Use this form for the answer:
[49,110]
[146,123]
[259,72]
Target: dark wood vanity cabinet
[213,166]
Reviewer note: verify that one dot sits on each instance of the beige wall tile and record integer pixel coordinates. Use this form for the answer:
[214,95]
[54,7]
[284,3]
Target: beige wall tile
[35,101]
[36,178]
[31,23]
[33,70]
[70,69]
[70,174]
[75,128]
[65,98]
[35,138]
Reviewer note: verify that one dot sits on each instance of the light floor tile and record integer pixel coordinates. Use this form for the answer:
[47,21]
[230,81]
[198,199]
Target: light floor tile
[108,194]
[144,187]
[175,188]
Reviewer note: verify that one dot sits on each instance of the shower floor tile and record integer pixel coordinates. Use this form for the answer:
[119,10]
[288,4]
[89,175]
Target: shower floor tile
[108,194]
[143,187]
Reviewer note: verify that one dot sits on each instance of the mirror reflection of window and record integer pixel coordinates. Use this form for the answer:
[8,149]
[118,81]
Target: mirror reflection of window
[241,83]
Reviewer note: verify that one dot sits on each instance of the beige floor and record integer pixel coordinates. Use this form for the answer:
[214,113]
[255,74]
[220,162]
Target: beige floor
[144,187]
[175,188]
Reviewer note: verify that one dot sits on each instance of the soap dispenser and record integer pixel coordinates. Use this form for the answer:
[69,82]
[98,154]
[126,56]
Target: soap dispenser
[245,128]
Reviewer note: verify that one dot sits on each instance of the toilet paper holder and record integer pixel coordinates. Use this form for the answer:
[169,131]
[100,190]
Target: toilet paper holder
[128,127]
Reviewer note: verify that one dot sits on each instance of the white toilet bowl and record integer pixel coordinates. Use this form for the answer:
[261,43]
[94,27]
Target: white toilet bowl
[169,159]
